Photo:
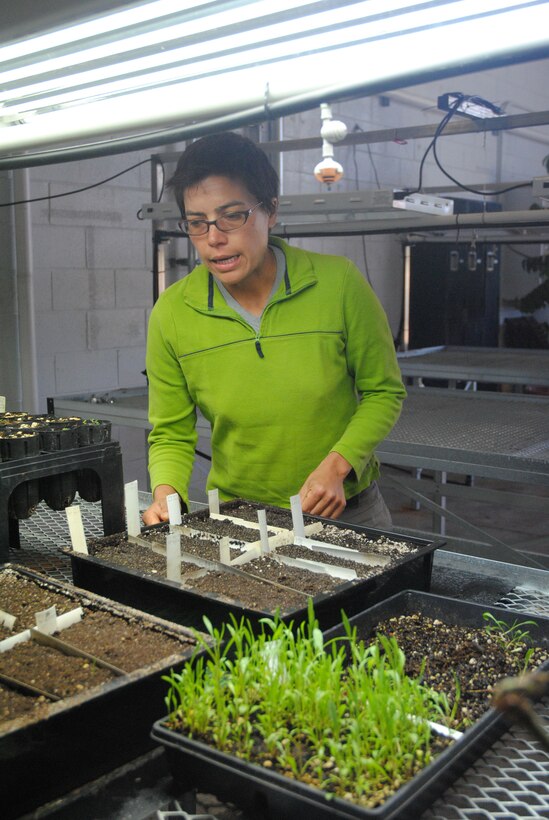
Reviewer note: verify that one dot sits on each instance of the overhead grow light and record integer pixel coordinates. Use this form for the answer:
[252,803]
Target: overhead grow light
[168,69]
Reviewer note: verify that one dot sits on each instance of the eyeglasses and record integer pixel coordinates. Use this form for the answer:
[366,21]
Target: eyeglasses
[231,221]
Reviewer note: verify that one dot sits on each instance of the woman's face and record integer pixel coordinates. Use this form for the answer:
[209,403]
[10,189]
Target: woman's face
[240,258]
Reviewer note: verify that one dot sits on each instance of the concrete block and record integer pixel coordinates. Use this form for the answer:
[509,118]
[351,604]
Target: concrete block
[60,330]
[85,370]
[107,205]
[46,382]
[59,247]
[112,248]
[80,290]
[134,288]
[42,290]
[131,361]
[115,328]
[40,211]
[94,171]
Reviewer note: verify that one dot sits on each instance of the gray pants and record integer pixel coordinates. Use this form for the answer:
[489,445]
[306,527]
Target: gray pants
[368,509]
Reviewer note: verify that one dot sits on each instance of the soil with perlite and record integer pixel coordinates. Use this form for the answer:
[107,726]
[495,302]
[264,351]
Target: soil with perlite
[251,588]
[125,641]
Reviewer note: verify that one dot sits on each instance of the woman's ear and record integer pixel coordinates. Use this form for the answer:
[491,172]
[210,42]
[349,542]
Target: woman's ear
[273,212]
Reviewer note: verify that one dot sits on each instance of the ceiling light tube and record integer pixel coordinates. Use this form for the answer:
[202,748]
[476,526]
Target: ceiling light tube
[368,68]
[59,87]
[96,27]
[388,24]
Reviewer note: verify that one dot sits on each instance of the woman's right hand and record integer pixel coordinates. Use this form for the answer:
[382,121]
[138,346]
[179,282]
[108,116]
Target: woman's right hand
[157,512]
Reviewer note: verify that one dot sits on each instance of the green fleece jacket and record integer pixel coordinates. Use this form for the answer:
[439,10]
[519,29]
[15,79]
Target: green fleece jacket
[321,375]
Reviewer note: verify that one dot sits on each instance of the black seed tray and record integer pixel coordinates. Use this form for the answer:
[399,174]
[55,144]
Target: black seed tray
[269,795]
[86,735]
[169,600]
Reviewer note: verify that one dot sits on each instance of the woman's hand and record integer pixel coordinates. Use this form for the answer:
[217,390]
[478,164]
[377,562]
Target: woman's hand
[157,513]
[322,493]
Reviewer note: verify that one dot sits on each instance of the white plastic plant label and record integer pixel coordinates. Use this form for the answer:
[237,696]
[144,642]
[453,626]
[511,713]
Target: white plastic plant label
[76,529]
[174,509]
[67,619]
[224,550]
[213,501]
[2,404]
[173,557]
[297,516]
[263,531]
[46,620]
[131,500]
[13,640]
[7,620]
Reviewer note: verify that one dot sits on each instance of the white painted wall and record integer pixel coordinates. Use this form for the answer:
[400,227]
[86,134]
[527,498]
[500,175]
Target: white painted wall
[93,261]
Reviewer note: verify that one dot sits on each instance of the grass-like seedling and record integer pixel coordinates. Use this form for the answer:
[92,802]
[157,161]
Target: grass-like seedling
[511,638]
[339,715]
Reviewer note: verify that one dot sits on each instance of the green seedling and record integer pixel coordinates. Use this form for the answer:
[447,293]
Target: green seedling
[341,715]
[511,638]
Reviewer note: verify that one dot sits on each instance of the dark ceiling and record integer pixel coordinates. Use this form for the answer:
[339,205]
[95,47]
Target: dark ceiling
[22,19]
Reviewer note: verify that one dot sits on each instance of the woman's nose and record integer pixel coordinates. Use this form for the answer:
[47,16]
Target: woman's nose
[215,236]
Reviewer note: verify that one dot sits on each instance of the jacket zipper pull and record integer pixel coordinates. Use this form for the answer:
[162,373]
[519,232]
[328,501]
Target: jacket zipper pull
[258,348]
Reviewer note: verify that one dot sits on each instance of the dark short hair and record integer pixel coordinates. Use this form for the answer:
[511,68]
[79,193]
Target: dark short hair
[227,155]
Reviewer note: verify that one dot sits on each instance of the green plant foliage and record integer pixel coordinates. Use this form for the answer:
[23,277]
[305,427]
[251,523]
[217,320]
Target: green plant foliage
[341,715]
[511,638]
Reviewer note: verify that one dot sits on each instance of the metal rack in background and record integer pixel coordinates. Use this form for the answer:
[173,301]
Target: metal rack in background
[511,780]
[490,365]
[502,436]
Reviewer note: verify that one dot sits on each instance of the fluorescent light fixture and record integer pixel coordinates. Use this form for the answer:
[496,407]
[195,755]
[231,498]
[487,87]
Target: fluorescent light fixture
[322,30]
[94,28]
[168,63]
[424,203]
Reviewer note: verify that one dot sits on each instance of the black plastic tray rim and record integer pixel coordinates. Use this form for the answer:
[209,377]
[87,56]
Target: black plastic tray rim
[101,727]
[298,799]
[83,566]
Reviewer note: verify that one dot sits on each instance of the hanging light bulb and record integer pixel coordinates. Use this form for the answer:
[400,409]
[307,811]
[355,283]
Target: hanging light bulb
[329,170]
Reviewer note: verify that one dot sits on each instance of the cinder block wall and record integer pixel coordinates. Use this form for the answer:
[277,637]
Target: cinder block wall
[92,271]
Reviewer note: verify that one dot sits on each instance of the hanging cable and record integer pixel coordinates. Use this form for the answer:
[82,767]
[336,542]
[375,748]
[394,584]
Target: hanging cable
[77,190]
[452,110]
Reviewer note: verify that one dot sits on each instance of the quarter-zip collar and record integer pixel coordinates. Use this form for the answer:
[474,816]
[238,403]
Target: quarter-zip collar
[201,294]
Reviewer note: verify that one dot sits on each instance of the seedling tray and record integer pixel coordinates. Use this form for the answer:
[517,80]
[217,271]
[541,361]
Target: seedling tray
[169,600]
[87,735]
[267,794]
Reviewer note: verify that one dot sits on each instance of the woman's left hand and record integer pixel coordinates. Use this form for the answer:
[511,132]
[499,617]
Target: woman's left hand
[322,492]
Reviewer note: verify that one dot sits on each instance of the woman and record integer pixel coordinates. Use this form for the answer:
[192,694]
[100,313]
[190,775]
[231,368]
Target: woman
[287,353]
